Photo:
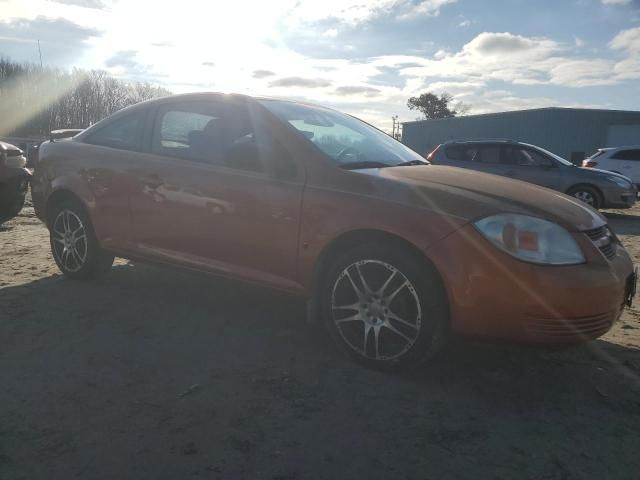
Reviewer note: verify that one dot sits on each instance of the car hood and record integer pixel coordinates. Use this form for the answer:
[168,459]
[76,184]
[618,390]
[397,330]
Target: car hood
[599,173]
[7,147]
[470,195]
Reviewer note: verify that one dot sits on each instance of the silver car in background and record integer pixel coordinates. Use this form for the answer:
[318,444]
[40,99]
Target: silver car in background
[598,188]
[14,180]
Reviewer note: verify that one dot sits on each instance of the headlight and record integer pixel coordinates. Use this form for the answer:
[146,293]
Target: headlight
[531,239]
[621,182]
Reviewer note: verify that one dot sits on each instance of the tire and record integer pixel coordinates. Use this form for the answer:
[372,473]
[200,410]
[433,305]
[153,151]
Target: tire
[397,318]
[73,243]
[18,206]
[587,194]
[13,209]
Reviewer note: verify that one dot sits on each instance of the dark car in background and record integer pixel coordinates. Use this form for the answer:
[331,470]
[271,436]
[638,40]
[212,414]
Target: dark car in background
[14,180]
[529,163]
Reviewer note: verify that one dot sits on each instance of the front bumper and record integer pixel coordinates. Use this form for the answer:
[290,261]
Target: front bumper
[620,198]
[495,295]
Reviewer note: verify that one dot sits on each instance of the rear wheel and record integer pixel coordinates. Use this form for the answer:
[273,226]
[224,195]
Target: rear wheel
[385,307]
[586,194]
[74,245]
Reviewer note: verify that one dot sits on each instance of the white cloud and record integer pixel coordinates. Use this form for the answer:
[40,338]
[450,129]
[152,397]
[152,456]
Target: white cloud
[532,61]
[260,61]
[98,4]
[465,23]
[357,90]
[616,2]
[355,12]
[422,8]
[300,82]
[499,44]
[627,40]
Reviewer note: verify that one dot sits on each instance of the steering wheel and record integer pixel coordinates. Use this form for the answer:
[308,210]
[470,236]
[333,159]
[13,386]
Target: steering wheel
[346,151]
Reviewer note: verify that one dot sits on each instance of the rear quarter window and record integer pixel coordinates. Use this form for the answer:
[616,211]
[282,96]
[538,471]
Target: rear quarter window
[123,133]
[464,153]
[631,154]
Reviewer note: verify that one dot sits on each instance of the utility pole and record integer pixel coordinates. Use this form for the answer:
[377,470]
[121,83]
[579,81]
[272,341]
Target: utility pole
[40,54]
[396,127]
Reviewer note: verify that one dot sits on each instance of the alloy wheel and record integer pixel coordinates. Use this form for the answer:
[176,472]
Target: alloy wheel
[69,239]
[586,197]
[376,310]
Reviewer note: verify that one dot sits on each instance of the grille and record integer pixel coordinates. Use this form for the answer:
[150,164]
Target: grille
[591,327]
[603,238]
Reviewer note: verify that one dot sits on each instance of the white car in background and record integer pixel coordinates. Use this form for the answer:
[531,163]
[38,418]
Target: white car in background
[623,160]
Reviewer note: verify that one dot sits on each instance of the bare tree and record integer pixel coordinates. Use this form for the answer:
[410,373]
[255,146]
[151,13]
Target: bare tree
[34,101]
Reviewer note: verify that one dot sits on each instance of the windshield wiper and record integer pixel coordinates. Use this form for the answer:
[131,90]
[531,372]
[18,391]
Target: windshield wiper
[411,163]
[364,164]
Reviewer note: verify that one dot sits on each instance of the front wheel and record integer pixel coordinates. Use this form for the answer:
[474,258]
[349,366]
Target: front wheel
[587,195]
[385,307]
[74,245]
[13,208]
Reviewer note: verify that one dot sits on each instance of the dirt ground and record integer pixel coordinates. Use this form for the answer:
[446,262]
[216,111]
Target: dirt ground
[159,374]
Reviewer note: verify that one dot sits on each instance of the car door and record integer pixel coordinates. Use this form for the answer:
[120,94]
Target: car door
[217,192]
[530,165]
[476,156]
[627,162]
[108,152]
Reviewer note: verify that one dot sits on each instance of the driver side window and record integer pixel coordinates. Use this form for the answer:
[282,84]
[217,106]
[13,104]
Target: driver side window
[527,157]
[213,133]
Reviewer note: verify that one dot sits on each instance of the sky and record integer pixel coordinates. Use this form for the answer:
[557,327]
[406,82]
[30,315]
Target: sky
[364,57]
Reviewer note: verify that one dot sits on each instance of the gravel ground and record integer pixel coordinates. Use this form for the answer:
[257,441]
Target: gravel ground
[161,374]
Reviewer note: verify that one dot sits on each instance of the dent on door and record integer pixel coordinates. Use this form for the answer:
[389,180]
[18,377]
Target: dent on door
[230,221]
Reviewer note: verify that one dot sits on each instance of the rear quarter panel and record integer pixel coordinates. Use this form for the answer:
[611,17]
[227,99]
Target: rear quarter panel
[80,169]
[56,172]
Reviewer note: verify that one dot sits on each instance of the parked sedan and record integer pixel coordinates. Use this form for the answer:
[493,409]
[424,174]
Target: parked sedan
[533,164]
[623,160]
[14,180]
[393,254]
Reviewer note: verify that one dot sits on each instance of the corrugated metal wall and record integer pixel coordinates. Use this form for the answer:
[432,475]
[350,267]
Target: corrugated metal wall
[559,130]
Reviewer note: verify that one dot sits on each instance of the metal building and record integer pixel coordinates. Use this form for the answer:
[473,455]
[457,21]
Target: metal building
[572,133]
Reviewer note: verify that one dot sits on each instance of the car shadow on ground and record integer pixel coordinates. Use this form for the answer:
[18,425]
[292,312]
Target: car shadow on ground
[215,369]
[165,298]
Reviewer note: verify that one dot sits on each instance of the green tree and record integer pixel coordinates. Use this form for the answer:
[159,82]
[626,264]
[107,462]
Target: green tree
[434,106]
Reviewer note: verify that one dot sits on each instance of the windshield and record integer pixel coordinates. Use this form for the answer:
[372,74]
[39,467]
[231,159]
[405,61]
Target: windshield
[345,139]
[556,157]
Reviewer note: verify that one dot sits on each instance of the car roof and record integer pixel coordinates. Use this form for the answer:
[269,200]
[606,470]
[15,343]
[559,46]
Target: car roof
[208,95]
[194,96]
[501,141]
[625,147]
